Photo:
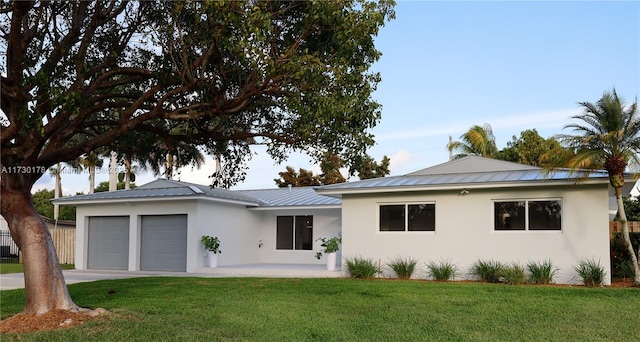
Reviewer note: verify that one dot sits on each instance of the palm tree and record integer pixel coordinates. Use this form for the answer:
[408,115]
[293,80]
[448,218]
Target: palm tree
[57,173]
[478,140]
[90,161]
[609,136]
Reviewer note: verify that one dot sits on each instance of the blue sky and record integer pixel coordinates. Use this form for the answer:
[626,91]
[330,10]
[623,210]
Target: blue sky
[449,65]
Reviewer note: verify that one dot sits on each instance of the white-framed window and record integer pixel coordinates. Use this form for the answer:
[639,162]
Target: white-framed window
[294,232]
[527,214]
[407,217]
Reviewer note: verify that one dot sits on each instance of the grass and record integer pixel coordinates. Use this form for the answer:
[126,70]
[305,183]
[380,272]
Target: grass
[253,309]
[359,267]
[513,274]
[489,271]
[541,272]
[590,272]
[403,268]
[443,270]
[19,268]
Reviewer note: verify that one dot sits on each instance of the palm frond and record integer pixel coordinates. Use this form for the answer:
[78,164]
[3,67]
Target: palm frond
[607,133]
[478,140]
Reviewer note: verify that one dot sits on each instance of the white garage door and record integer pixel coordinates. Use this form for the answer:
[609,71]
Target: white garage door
[164,243]
[108,243]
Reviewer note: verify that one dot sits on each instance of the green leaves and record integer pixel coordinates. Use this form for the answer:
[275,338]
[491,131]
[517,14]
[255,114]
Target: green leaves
[293,75]
[478,140]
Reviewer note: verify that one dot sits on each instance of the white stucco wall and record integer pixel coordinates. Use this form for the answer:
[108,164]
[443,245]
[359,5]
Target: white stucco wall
[326,223]
[135,210]
[464,229]
[235,226]
[239,229]
[3,224]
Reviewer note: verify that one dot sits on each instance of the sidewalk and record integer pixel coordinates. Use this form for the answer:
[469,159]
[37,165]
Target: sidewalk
[12,281]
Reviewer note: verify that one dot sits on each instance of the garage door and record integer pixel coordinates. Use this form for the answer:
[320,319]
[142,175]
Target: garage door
[164,243]
[108,243]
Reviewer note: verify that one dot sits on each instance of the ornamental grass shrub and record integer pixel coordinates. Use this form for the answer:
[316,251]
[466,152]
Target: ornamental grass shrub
[590,272]
[541,272]
[443,270]
[513,274]
[359,267]
[403,268]
[489,271]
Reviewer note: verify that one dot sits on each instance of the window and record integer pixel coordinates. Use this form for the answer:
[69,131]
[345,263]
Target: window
[294,232]
[527,215]
[408,217]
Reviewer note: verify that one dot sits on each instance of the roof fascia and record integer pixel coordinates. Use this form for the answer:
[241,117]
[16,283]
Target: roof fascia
[339,192]
[154,199]
[300,207]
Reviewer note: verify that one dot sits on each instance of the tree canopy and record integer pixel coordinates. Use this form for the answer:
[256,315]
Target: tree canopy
[104,186]
[42,202]
[365,167]
[532,149]
[478,140]
[218,76]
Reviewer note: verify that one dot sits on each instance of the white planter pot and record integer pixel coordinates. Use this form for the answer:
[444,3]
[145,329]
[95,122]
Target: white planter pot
[331,261]
[213,259]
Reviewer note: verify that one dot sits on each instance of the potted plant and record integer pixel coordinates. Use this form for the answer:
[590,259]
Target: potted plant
[330,246]
[212,245]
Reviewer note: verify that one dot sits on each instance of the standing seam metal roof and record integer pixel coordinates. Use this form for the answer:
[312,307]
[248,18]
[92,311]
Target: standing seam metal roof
[293,197]
[465,178]
[163,188]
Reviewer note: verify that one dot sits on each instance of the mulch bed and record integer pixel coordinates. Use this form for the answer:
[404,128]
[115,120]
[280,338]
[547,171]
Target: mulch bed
[52,320]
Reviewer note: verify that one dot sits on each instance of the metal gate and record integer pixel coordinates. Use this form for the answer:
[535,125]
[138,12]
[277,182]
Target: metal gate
[9,251]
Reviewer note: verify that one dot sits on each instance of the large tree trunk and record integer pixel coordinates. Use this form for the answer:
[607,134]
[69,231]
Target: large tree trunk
[45,288]
[627,239]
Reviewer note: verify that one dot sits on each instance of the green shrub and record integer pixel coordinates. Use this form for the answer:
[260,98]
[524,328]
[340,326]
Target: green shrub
[489,271]
[359,267]
[620,258]
[541,272]
[590,272]
[404,268]
[627,270]
[442,270]
[513,274]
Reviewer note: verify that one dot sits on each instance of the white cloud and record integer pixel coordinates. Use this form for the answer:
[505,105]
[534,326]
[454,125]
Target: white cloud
[400,159]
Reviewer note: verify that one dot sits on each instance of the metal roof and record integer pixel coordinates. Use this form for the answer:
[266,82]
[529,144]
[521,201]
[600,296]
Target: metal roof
[476,172]
[165,189]
[291,197]
[472,164]
[470,172]
[487,178]
[170,189]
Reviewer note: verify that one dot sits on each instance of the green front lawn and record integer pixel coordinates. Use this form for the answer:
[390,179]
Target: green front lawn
[18,268]
[254,309]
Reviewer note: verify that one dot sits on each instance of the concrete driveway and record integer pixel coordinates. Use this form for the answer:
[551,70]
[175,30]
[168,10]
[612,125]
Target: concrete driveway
[16,280]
